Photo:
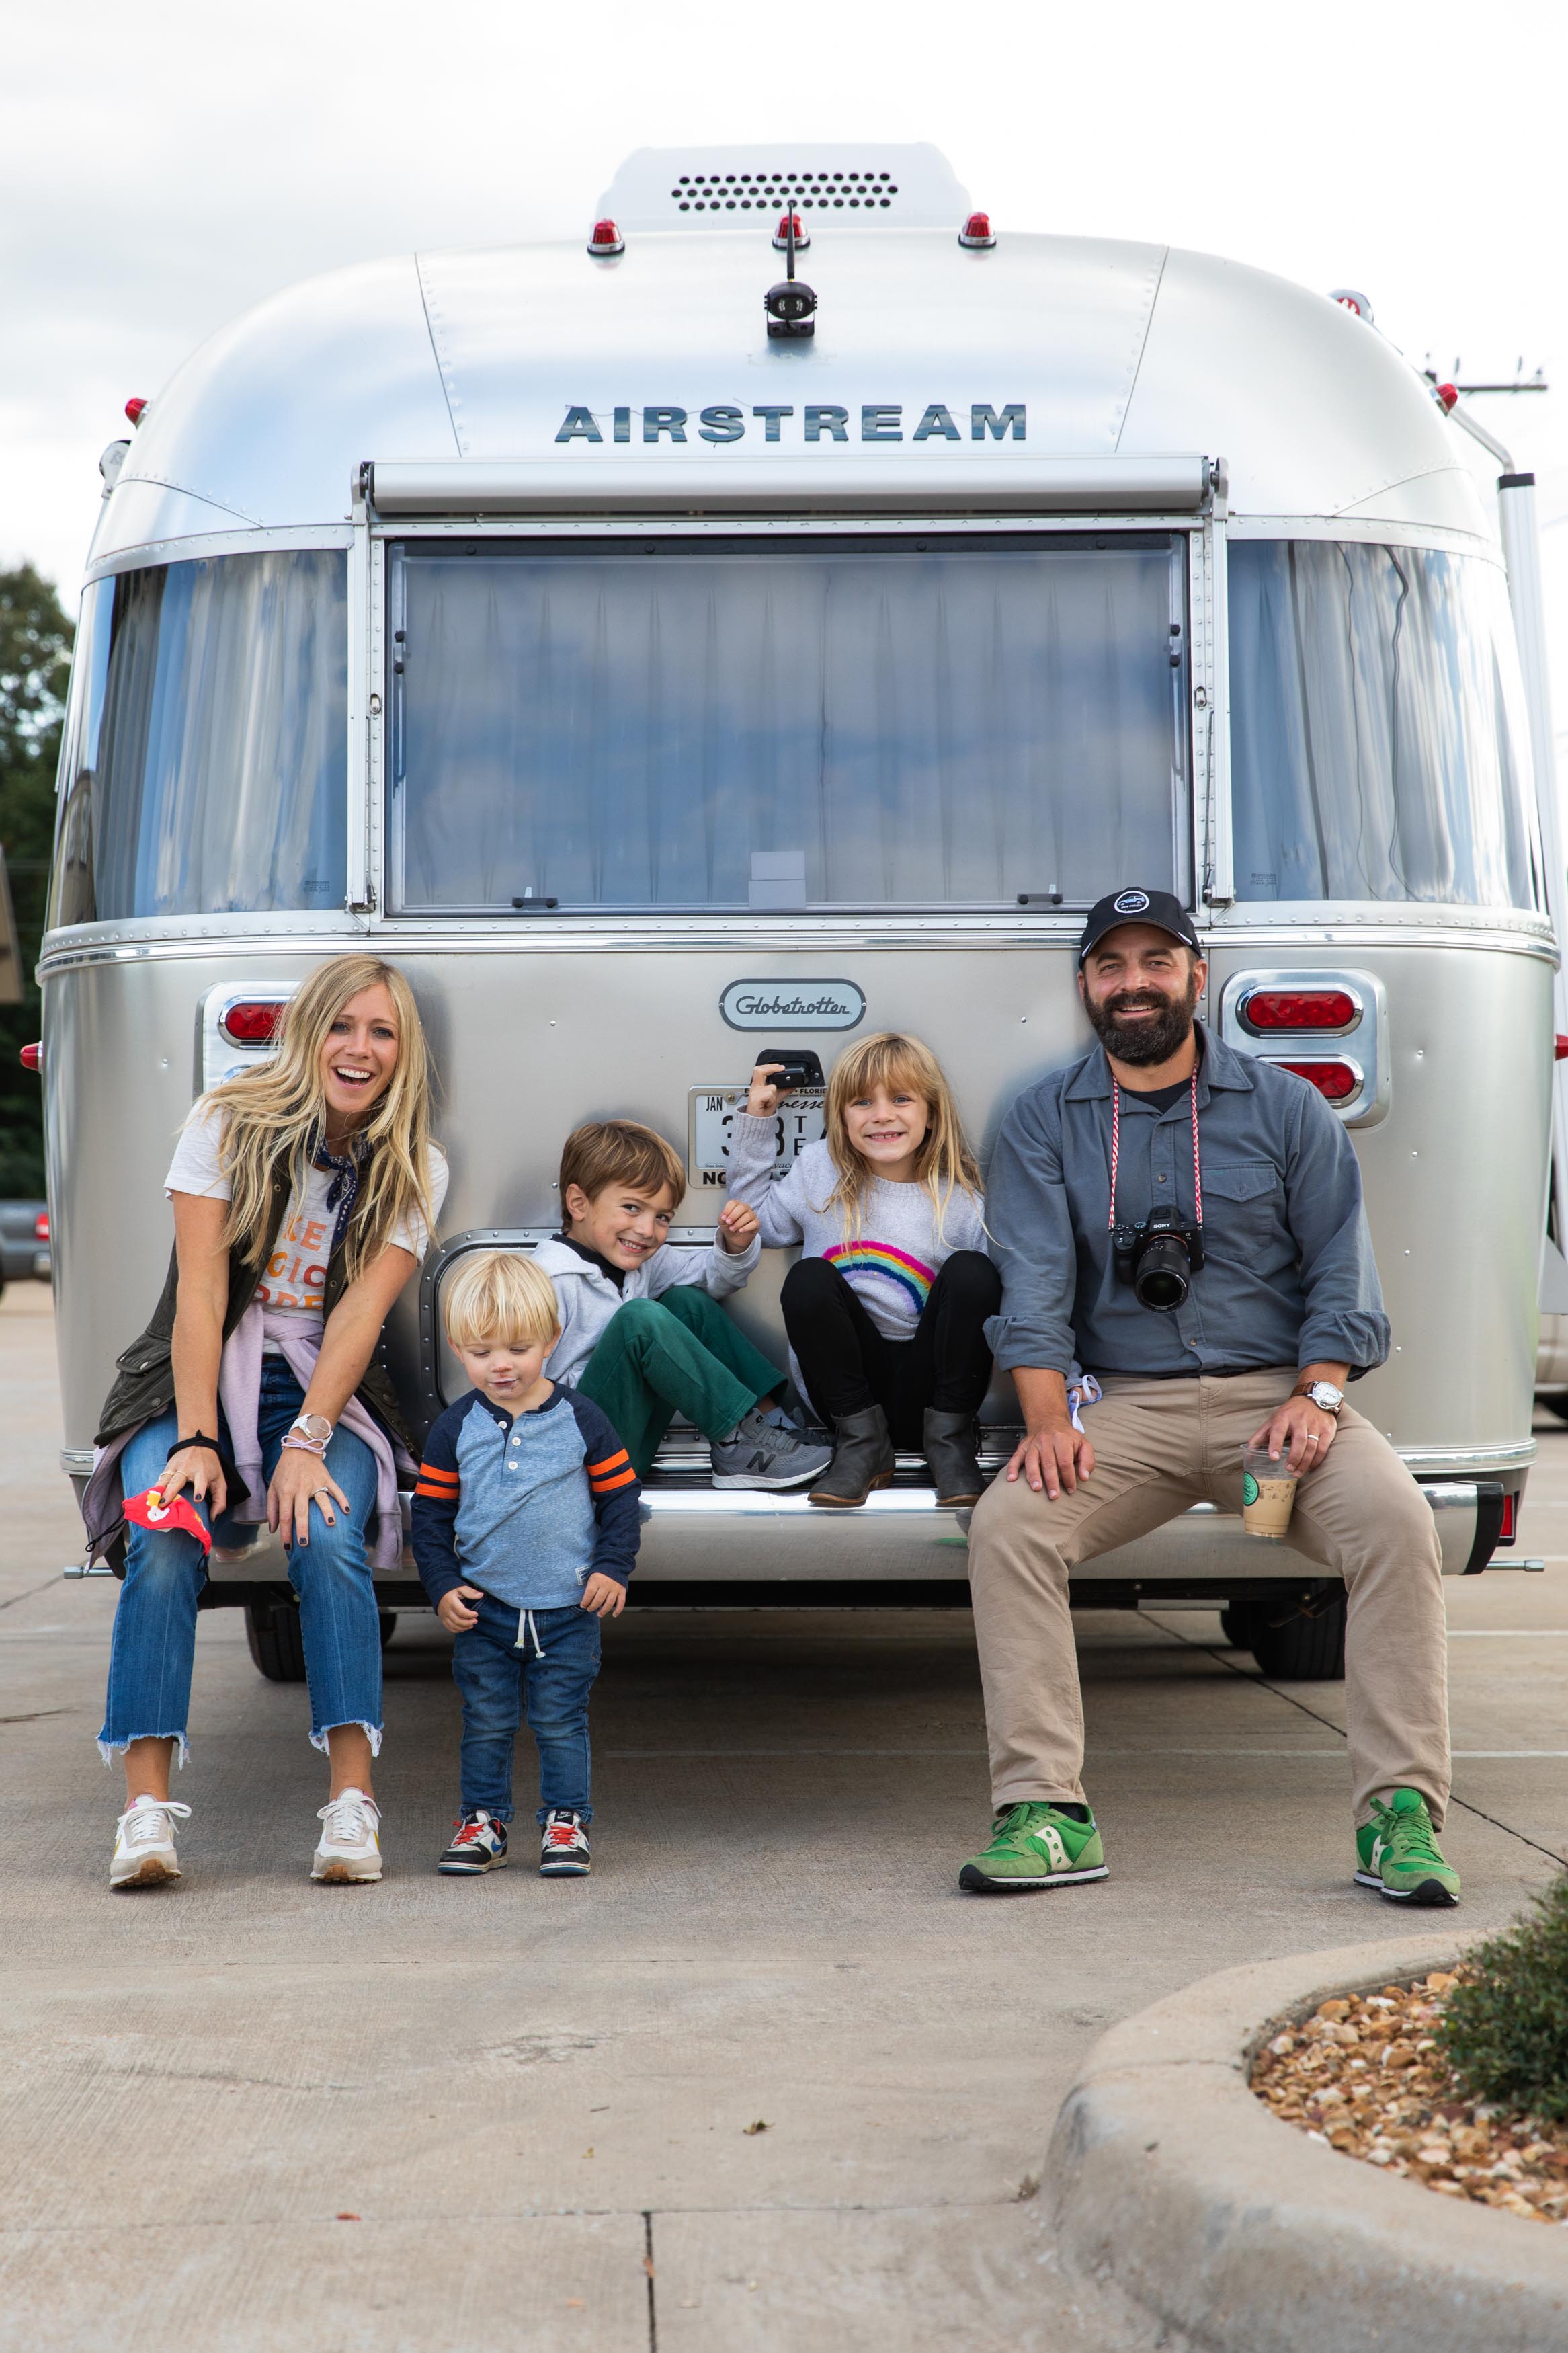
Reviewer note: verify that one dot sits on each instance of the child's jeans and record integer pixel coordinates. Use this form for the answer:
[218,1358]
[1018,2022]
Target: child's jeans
[680,1353]
[547,1674]
[154,1637]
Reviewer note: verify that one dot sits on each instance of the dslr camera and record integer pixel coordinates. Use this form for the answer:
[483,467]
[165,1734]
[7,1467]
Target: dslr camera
[1158,1257]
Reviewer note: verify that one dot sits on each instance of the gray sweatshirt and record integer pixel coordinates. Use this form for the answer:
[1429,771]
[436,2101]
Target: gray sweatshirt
[893,1259]
[587,1298]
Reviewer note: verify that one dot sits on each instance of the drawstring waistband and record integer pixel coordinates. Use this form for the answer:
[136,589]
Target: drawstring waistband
[526,1625]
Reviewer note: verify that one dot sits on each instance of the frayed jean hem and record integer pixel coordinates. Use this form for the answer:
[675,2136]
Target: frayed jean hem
[109,1749]
[371,1731]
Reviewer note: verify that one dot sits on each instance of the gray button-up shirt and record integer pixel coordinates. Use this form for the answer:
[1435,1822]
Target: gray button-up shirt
[1288,1276]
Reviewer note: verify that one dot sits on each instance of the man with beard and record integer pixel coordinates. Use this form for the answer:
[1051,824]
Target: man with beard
[1284,1309]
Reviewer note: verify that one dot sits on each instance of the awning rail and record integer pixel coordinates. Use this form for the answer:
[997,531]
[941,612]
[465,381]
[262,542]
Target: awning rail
[701,481]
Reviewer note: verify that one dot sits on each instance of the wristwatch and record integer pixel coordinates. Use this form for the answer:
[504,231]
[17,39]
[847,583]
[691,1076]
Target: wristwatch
[311,1433]
[1323,1394]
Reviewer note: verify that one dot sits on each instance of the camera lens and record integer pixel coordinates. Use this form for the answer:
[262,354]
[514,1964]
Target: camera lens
[1162,1278]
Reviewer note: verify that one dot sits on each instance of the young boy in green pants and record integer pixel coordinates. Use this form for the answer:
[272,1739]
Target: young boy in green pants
[642,1332]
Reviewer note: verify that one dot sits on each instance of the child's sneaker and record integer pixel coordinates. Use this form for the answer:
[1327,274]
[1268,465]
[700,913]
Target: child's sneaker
[144,1844]
[479,1845]
[765,1449]
[563,1847]
[348,1849]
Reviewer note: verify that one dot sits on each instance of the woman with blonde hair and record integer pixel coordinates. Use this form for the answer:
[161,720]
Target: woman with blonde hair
[305,1192]
[886,1308]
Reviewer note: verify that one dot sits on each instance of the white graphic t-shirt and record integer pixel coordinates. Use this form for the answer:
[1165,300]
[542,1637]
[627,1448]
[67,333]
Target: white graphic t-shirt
[294,1279]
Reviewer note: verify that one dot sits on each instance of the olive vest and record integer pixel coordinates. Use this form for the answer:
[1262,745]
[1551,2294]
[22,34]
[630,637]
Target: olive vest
[143,1385]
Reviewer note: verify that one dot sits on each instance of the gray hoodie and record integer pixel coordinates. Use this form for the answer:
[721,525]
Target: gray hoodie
[588,1299]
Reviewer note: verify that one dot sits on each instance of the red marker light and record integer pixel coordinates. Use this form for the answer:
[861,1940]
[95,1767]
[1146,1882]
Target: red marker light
[136,410]
[41,1227]
[781,235]
[1447,397]
[251,1025]
[1560,1052]
[32,1057]
[976,234]
[1335,1082]
[1505,1535]
[606,240]
[1300,1008]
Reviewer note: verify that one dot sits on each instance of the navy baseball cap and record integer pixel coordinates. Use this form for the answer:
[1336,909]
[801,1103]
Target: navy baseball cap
[1138,906]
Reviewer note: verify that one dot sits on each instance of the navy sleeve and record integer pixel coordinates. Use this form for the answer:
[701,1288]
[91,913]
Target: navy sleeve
[434,1508]
[614,1485]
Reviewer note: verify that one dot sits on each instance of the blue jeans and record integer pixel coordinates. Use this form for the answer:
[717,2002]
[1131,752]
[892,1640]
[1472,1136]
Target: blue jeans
[154,1637]
[548,1675]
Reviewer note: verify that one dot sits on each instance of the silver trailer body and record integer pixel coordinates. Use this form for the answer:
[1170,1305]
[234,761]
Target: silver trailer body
[652,691]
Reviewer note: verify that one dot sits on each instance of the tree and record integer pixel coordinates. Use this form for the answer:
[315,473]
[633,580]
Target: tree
[35,661]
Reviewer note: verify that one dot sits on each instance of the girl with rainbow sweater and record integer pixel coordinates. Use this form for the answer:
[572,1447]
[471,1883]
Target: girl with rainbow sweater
[886,1308]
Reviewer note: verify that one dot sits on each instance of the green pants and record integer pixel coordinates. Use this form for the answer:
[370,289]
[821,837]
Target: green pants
[680,1353]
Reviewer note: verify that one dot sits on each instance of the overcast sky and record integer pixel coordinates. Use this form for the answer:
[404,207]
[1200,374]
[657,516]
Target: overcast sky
[164,168]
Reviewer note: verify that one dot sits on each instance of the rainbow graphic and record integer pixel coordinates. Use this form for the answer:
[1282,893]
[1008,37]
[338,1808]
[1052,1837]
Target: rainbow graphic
[865,1257]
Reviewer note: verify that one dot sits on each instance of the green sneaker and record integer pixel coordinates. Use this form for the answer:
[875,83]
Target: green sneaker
[1398,1853]
[1031,1846]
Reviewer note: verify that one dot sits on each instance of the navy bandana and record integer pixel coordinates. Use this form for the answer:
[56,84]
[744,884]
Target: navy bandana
[343,1190]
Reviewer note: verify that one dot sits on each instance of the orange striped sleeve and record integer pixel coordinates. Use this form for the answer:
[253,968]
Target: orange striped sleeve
[626,1478]
[434,1470]
[610,1463]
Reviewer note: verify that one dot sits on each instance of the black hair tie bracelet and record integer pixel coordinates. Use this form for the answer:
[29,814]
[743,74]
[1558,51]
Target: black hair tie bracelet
[180,1445]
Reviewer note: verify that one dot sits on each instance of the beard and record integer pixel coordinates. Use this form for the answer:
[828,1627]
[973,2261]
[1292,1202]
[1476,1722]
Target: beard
[1143,1042]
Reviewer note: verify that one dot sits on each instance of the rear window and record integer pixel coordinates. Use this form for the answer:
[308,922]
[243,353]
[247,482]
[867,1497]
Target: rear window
[1379,739]
[814,722]
[205,763]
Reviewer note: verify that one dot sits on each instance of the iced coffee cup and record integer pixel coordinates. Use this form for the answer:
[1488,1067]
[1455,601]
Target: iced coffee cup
[1268,1493]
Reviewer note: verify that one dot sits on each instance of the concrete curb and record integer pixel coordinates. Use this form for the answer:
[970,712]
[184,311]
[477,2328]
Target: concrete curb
[1172,2185]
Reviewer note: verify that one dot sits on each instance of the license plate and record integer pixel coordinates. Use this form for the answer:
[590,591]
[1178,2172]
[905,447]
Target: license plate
[797,1123]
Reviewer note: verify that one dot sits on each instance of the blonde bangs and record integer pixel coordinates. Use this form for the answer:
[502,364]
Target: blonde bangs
[276,1112]
[892,1058]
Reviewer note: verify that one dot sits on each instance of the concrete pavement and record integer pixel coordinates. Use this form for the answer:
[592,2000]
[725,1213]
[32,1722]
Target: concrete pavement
[250,2112]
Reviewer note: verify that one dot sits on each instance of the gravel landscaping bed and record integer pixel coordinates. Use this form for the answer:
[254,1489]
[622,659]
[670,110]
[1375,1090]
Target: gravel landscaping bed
[1365,2074]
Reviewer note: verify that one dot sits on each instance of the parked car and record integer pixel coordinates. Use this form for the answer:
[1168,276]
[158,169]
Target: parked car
[24,1241]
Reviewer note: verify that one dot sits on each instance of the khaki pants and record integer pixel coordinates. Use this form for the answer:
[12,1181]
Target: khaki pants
[1160,1446]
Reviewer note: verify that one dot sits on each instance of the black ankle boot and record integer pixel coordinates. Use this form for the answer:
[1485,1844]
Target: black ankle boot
[862,1459]
[950,1452]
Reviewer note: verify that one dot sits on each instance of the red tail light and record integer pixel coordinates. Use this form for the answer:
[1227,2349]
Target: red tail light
[976,231]
[1560,1052]
[1300,1008]
[1447,397]
[1335,1082]
[606,240]
[251,1024]
[32,1057]
[781,235]
[1505,1535]
[41,1227]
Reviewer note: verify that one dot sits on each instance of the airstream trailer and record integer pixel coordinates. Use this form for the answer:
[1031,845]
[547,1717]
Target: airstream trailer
[653,687]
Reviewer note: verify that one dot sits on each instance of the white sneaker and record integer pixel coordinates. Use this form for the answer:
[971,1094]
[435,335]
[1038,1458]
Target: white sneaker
[348,1848]
[144,1844]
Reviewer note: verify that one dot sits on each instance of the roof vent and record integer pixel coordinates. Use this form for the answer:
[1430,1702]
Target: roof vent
[715,187]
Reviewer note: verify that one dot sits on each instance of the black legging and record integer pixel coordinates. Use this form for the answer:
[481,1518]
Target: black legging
[848,1366]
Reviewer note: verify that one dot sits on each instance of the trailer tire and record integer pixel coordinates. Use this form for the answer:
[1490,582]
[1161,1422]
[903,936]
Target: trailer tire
[277,1645]
[388,1626]
[1304,1649]
[1557,1403]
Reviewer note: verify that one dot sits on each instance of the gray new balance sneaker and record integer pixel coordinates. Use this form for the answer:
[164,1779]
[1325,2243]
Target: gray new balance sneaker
[765,1450]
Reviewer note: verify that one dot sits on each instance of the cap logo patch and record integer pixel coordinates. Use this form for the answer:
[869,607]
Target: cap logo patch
[1132,902]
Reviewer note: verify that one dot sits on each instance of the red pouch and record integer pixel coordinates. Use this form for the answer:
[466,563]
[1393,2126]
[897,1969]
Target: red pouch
[179,1516]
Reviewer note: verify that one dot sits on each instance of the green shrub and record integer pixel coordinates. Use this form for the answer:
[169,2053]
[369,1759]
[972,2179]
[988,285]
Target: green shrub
[1505,2028]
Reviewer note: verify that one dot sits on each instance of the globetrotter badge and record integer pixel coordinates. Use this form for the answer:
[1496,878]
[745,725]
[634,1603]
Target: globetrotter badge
[1132,902]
